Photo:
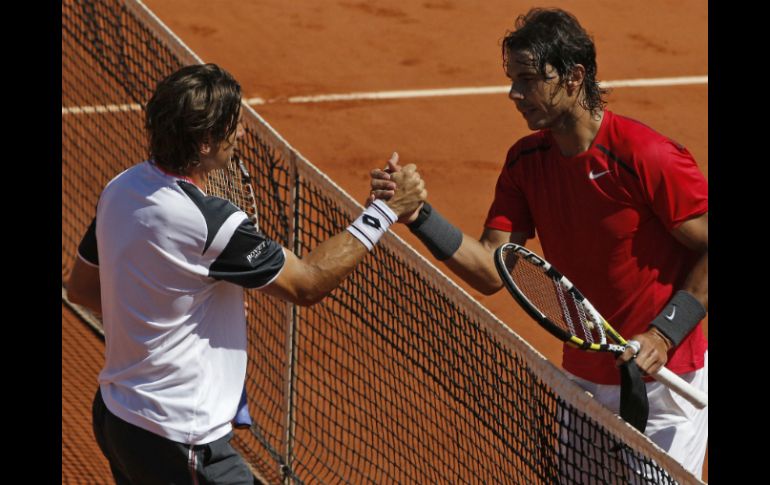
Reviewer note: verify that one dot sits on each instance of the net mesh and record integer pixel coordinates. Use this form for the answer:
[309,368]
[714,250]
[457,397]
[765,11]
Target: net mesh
[81,459]
[398,376]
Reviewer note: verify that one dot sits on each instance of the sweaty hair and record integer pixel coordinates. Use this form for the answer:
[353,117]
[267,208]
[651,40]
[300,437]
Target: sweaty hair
[555,37]
[195,104]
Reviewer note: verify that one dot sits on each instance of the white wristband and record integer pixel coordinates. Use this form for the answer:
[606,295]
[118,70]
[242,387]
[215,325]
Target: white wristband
[373,223]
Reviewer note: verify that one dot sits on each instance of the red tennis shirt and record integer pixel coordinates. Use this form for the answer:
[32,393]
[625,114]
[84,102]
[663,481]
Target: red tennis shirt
[604,219]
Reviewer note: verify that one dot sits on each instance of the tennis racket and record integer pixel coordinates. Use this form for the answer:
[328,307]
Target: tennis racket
[554,302]
[234,184]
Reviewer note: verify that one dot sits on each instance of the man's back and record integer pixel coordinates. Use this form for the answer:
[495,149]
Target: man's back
[168,323]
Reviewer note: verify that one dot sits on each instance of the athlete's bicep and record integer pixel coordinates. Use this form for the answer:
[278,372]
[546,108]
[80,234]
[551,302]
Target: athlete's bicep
[290,283]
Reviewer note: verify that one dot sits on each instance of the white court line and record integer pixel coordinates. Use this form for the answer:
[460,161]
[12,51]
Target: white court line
[424,93]
[417,93]
[108,108]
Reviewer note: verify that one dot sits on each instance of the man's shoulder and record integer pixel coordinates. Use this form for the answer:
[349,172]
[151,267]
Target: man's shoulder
[127,175]
[527,147]
[630,135]
[216,211]
[636,145]
[209,205]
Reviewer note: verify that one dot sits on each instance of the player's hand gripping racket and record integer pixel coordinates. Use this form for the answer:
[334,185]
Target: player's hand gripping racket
[234,184]
[554,302]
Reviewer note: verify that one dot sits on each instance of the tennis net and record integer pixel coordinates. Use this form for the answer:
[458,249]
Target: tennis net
[399,375]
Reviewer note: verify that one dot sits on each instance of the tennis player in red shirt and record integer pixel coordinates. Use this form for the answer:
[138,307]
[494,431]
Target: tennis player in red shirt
[619,208]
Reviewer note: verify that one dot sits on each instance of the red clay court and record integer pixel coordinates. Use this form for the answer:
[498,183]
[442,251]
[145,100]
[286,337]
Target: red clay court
[281,51]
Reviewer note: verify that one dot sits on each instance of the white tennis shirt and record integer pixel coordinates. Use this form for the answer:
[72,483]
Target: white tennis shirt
[172,263]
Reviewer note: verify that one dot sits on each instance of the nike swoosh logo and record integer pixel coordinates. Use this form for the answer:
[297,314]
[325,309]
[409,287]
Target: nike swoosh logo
[670,318]
[594,176]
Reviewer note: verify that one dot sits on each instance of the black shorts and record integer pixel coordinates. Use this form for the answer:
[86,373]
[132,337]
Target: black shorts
[138,456]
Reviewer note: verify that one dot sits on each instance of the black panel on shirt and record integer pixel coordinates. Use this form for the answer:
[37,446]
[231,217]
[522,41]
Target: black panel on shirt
[250,259]
[87,248]
[527,152]
[617,160]
[214,209]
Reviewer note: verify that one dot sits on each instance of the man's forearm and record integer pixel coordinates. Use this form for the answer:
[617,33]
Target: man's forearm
[697,282]
[687,307]
[470,259]
[474,263]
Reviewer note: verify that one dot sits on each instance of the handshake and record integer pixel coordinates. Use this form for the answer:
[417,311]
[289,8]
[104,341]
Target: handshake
[402,189]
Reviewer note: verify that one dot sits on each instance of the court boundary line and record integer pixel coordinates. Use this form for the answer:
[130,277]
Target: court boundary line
[465,91]
[401,94]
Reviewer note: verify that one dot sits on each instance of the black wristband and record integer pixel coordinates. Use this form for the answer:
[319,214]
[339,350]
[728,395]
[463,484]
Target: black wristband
[425,211]
[680,316]
[439,235]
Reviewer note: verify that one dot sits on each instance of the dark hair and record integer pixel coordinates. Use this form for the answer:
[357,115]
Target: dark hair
[555,37]
[192,104]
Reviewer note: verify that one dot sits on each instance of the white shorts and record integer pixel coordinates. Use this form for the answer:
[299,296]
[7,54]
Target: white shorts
[673,424]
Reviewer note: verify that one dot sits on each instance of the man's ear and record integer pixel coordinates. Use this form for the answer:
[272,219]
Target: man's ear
[205,147]
[576,77]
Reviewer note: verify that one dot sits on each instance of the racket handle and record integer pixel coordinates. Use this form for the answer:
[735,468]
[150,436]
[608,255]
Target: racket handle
[696,397]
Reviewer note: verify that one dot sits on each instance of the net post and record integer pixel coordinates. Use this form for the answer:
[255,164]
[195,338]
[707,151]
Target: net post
[293,321]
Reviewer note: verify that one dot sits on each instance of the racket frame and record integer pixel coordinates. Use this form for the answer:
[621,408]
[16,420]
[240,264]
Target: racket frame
[553,328]
[695,396]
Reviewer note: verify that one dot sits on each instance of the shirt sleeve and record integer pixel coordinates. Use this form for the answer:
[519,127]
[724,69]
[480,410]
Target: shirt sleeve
[250,259]
[673,185]
[509,211]
[87,249]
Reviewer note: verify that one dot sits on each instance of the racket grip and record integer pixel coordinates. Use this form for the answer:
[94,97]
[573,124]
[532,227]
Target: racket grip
[696,397]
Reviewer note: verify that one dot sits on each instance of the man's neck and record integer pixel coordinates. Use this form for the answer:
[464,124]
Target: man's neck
[576,131]
[195,177]
[198,176]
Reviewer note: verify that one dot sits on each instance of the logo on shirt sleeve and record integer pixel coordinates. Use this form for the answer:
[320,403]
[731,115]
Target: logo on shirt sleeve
[256,252]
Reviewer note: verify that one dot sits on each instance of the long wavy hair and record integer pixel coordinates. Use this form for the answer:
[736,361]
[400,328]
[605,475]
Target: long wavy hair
[555,37]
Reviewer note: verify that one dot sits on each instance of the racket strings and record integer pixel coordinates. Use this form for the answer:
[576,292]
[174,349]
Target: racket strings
[535,285]
[551,298]
[564,306]
[575,316]
[596,326]
[234,184]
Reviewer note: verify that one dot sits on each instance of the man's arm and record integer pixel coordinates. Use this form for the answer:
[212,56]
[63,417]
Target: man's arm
[306,281]
[469,258]
[695,235]
[83,287]
[474,259]
[691,305]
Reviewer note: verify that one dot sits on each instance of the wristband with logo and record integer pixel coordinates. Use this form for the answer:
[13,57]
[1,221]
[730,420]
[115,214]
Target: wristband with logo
[680,316]
[372,223]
